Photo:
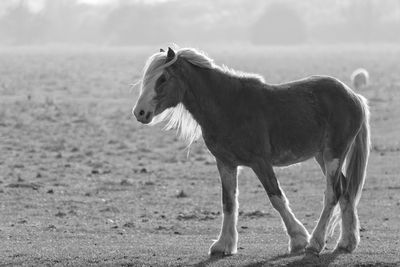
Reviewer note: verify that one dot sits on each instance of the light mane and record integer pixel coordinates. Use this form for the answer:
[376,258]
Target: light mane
[179,117]
[242,74]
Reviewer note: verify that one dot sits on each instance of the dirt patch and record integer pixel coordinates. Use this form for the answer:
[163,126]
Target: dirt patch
[82,183]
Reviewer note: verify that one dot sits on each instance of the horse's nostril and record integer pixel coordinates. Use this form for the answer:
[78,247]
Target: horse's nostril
[148,115]
[141,113]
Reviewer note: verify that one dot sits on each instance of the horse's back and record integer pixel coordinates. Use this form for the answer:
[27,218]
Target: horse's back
[326,94]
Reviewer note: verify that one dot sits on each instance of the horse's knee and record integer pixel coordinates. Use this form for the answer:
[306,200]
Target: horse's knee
[279,202]
[229,201]
[228,208]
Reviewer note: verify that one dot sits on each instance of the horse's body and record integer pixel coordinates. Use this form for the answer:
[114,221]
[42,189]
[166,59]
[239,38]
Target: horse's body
[291,120]
[245,121]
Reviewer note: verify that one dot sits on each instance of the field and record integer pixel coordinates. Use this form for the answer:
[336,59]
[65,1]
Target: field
[83,183]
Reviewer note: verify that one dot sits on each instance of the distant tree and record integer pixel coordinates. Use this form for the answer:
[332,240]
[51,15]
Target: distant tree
[361,20]
[62,20]
[16,25]
[279,24]
[139,24]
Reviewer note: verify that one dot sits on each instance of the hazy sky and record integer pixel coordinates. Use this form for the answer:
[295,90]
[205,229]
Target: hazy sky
[114,22]
[105,2]
[37,5]
[97,2]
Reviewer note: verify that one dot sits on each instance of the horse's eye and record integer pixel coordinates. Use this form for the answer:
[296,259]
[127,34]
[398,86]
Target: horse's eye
[162,79]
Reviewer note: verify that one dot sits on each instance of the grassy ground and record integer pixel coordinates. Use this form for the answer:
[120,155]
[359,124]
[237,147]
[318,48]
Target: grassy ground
[82,183]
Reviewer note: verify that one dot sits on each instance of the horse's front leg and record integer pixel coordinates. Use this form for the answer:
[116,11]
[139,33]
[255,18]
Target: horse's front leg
[228,238]
[298,235]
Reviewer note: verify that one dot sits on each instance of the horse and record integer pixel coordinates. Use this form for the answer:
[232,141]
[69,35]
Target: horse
[245,121]
[359,79]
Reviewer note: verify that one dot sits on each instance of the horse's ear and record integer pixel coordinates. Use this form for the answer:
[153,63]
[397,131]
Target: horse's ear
[170,55]
[162,50]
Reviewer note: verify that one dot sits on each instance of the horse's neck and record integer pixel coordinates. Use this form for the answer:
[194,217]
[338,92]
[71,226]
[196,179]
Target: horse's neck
[205,94]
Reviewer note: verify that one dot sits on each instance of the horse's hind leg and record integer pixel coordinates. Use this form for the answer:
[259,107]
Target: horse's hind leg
[332,168]
[297,232]
[228,238]
[350,236]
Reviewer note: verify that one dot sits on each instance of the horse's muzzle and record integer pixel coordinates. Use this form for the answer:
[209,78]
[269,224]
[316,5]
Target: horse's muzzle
[142,116]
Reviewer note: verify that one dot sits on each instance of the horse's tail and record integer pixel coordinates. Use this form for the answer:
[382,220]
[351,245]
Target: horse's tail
[356,166]
[357,157]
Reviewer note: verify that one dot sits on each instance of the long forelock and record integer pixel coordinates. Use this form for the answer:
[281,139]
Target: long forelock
[153,68]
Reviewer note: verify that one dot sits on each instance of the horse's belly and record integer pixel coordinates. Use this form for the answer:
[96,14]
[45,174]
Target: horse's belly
[296,143]
[287,157]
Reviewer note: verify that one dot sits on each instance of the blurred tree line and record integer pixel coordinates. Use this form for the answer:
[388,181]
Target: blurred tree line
[209,21]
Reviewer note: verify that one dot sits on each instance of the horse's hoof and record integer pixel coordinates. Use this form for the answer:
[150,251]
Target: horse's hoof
[312,251]
[347,245]
[310,259]
[223,248]
[315,246]
[343,249]
[298,244]
[298,249]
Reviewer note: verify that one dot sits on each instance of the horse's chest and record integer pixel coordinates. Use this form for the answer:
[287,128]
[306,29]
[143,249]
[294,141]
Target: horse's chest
[218,147]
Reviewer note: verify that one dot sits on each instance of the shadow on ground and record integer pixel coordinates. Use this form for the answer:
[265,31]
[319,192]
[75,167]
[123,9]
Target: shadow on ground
[282,260]
[209,260]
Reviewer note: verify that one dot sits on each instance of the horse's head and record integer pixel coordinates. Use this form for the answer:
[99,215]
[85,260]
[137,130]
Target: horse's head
[160,88]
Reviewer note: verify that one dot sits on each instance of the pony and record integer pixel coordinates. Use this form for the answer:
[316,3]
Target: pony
[245,121]
[360,79]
